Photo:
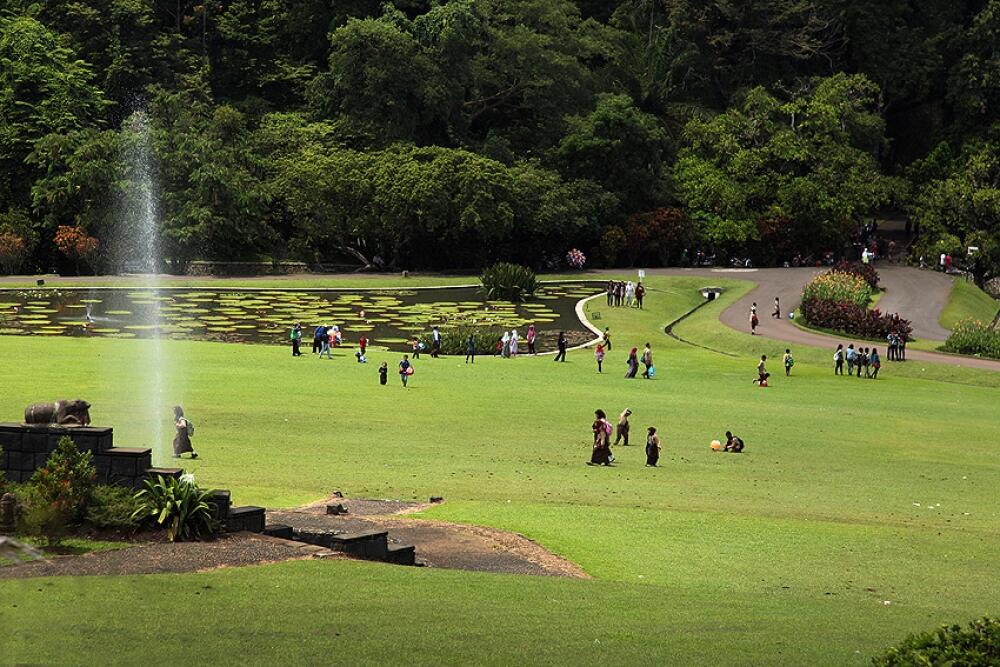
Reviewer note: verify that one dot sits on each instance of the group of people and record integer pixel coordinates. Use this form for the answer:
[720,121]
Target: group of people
[625,293]
[859,360]
[602,430]
[508,346]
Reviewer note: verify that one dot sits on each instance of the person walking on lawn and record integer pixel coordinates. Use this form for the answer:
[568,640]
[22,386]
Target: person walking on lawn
[470,349]
[601,454]
[296,337]
[405,369]
[788,362]
[561,345]
[622,428]
[530,338]
[876,363]
[838,360]
[652,448]
[599,356]
[647,361]
[640,293]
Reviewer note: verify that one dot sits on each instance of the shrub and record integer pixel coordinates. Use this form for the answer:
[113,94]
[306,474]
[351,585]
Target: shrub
[180,506]
[453,341]
[853,319]
[67,480]
[974,337]
[865,271]
[839,287]
[977,646]
[113,507]
[508,281]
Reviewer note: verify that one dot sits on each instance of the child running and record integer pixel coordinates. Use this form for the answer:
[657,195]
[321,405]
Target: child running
[405,369]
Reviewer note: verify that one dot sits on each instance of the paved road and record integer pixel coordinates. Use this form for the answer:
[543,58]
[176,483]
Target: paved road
[917,295]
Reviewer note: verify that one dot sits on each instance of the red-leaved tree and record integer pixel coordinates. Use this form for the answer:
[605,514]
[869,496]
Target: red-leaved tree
[12,248]
[76,245]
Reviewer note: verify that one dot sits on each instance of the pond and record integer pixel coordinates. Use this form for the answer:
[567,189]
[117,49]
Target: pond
[388,317]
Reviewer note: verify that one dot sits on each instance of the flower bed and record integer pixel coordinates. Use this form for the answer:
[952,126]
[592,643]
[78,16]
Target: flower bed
[974,337]
[840,288]
[838,300]
[853,319]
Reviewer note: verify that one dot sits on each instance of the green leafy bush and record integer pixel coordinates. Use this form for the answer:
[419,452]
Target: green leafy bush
[67,480]
[840,288]
[511,282]
[113,507]
[974,337]
[455,341]
[977,646]
[180,506]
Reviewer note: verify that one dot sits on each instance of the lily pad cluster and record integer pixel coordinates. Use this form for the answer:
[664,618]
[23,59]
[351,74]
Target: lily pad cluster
[387,317]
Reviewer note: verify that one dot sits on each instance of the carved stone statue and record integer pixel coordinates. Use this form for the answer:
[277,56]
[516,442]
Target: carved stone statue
[63,413]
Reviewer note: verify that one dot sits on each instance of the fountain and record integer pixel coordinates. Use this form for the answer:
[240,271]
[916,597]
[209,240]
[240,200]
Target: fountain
[136,251]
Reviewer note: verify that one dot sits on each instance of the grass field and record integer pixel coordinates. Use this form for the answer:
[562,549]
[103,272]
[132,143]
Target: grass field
[968,301]
[852,493]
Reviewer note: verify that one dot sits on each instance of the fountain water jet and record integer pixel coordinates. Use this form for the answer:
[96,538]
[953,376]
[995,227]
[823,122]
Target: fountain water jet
[137,251]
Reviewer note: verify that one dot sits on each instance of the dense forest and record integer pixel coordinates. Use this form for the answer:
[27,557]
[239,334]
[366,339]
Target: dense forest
[454,133]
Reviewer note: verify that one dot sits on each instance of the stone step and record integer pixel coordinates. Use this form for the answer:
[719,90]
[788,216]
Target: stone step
[249,518]
[402,555]
[372,545]
[122,462]
[220,500]
[279,530]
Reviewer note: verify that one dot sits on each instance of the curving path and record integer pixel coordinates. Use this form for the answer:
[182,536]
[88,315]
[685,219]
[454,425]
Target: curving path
[917,295]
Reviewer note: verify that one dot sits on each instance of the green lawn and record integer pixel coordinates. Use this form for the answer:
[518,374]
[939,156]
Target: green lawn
[852,493]
[968,301]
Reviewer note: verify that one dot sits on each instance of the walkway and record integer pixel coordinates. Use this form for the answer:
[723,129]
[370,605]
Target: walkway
[916,295]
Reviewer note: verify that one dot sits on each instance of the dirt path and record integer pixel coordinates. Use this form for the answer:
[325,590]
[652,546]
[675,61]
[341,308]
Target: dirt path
[917,295]
[438,543]
[232,550]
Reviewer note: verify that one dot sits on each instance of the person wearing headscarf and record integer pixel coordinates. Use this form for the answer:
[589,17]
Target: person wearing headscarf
[652,447]
[530,337]
[601,454]
[183,430]
[513,342]
[505,351]
[633,363]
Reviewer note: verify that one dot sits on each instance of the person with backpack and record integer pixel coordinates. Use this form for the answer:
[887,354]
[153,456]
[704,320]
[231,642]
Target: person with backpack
[601,427]
[319,333]
[296,337]
[876,363]
[851,356]
[325,343]
[788,362]
[183,430]
[838,360]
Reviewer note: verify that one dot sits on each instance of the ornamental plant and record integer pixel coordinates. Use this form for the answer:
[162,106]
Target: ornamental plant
[180,506]
[979,644]
[76,245]
[66,481]
[853,319]
[972,336]
[576,259]
[840,288]
[12,249]
[512,282]
[866,271]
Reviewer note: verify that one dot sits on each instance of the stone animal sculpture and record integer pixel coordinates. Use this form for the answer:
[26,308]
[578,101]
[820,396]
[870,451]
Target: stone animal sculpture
[64,413]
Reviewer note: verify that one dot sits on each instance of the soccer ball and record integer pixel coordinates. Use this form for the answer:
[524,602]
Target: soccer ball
[716,445]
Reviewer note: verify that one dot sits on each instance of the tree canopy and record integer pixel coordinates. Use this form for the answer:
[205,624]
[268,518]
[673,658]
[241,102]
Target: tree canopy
[456,133]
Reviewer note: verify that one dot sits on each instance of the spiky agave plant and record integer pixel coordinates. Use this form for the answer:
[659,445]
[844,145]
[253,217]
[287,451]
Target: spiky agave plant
[179,505]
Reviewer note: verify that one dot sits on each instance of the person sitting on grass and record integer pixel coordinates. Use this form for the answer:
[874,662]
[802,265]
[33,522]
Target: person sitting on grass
[733,444]
[602,432]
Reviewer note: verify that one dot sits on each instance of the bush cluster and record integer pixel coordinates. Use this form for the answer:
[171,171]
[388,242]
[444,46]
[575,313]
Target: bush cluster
[948,645]
[455,341]
[853,319]
[510,282]
[840,288]
[974,337]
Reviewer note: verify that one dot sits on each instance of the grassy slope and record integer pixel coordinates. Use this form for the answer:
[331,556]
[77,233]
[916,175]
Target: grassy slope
[967,301]
[767,557]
